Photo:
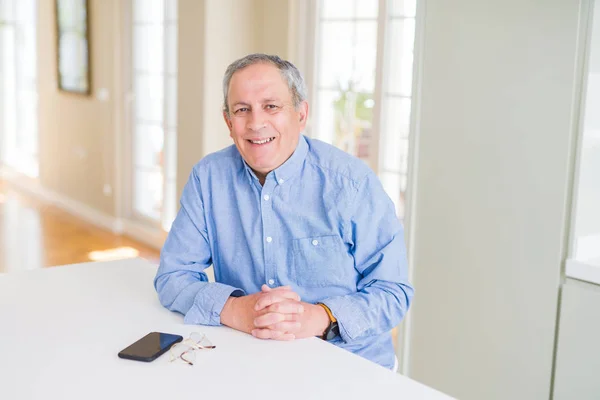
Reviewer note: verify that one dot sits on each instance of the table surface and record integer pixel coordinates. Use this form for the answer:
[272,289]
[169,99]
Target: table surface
[61,329]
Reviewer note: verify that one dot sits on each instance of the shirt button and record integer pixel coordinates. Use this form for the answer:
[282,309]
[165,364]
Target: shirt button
[271,282]
[281,181]
[266,197]
[269,239]
[315,242]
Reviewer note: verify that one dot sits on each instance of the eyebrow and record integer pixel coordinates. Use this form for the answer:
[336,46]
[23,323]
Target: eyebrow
[268,100]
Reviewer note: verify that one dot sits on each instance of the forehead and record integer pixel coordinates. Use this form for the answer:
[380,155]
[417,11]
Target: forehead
[258,80]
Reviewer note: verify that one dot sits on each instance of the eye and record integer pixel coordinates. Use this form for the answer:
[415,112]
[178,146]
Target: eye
[243,109]
[271,107]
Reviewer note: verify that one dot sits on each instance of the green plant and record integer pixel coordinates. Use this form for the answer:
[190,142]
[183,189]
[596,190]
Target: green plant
[353,117]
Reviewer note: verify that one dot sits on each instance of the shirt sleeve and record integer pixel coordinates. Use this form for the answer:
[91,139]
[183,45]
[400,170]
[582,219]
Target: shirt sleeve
[181,283]
[384,293]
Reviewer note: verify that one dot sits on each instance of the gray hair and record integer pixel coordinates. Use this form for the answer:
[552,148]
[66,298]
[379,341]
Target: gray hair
[288,71]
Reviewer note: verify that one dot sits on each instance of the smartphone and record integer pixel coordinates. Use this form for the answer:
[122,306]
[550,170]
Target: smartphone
[150,347]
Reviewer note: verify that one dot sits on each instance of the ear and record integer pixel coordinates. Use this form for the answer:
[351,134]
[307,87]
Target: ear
[227,121]
[303,113]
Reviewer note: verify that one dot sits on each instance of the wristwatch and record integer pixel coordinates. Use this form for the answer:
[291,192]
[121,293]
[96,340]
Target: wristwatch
[333,329]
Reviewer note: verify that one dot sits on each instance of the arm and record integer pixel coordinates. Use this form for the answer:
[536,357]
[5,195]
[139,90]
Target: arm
[181,282]
[384,294]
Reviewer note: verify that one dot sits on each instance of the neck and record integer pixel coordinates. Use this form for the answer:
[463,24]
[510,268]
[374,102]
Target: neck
[261,176]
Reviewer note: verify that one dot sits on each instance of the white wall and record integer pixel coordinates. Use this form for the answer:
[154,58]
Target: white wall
[77,133]
[212,34]
[229,35]
[190,86]
[492,183]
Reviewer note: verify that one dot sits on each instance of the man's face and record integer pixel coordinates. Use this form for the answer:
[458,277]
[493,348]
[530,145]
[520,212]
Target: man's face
[262,121]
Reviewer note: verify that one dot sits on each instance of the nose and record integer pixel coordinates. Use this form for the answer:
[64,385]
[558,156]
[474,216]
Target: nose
[256,120]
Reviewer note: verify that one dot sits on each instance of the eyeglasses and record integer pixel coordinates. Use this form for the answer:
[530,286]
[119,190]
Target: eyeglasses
[186,349]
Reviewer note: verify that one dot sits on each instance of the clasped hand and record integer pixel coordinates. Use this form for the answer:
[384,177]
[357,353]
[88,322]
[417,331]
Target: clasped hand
[275,314]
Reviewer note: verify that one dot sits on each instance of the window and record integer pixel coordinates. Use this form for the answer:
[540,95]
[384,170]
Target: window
[154,81]
[363,84]
[18,86]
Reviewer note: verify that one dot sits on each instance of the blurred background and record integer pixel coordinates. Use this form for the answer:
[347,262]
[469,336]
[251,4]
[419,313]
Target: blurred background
[481,118]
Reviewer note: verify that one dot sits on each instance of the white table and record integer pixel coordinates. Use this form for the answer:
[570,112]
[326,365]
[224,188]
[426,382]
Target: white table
[61,330]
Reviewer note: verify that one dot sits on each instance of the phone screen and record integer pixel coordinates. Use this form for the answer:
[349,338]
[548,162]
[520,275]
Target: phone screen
[150,346]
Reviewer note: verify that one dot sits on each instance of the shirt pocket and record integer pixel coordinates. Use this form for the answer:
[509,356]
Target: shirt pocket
[318,261]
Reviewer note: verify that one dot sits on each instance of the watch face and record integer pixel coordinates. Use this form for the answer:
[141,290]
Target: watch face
[332,331]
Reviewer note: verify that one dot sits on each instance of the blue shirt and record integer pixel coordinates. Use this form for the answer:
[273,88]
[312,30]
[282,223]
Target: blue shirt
[321,223]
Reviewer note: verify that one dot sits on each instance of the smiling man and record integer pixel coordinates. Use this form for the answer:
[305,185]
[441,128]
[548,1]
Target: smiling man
[303,239]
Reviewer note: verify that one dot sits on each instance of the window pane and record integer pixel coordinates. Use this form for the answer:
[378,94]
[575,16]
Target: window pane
[148,193]
[149,144]
[336,54]
[148,11]
[149,98]
[7,12]
[395,154]
[396,116]
[367,8]
[18,86]
[25,11]
[26,58]
[338,8]
[353,114]
[365,55]
[8,93]
[26,139]
[392,184]
[403,8]
[148,45]
[400,45]
[394,134]
[325,126]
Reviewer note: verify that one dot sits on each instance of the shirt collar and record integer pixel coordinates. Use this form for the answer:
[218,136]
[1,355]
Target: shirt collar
[286,170]
[294,163]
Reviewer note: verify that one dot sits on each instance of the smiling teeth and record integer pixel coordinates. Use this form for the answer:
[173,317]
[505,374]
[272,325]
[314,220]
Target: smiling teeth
[261,141]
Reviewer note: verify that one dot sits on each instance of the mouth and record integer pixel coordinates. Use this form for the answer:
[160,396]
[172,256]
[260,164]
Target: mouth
[260,142]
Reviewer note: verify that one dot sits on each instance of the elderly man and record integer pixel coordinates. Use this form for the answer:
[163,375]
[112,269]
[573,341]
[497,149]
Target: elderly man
[303,239]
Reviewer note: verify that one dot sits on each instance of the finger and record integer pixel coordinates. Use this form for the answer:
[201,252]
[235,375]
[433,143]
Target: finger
[269,319]
[286,326]
[273,297]
[286,337]
[286,307]
[266,333]
[270,334]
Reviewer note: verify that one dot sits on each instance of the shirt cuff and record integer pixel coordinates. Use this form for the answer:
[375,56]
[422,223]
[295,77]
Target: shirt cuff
[349,315]
[209,303]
